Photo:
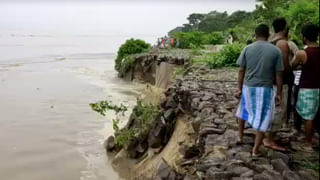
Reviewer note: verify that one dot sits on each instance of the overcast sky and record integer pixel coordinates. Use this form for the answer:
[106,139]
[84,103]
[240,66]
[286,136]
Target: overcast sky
[116,17]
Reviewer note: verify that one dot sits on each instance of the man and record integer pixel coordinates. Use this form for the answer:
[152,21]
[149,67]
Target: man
[260,65]
[309,85]
[281,113]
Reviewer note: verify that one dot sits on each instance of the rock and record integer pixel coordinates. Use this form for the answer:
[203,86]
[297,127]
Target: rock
[227,139]
[280,155]
[248,174]
[164,172]
[307,174]
[189,177]
[196,124]
[211,175]
[210,130]
[169,115]
[206,112]
[157,134]
[191,152]
[205,164]
[268,175]
[109,144]
[290,175]
[238,170]
[244,156]
[279,165]
[259,166]
[241,178]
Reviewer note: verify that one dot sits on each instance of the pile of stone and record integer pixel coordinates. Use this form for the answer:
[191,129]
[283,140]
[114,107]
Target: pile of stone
[215,154]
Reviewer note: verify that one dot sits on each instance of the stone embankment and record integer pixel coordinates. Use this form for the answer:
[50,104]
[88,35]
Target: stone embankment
[205,98]
[208,97]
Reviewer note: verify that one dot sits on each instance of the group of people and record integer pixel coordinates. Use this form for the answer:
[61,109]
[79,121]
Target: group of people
[270,68]
[166,41]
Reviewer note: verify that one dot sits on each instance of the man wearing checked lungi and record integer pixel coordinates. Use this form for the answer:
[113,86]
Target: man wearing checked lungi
[260,65]
[309,86]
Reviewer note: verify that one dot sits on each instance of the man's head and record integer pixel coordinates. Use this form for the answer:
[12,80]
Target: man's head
[279,25]
[262,32]
[310,33]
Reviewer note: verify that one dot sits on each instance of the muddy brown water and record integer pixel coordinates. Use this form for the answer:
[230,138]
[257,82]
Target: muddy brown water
[47,129]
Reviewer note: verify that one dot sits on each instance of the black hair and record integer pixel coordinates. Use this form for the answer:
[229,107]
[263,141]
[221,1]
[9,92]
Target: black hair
[287,31]
[279,24]
[310,32]
[262,30]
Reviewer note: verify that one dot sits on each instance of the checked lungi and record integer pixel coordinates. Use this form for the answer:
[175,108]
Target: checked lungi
[308,103]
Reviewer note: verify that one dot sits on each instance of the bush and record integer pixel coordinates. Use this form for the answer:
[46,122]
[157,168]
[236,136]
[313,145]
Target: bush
[226,57]
[195,39]
[130,47]
[215,38]
[190,39]
[143,115]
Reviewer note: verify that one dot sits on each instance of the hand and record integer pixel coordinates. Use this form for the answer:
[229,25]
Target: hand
[238,94]
[278,100]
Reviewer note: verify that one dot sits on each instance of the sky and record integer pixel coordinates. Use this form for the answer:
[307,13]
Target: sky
[107,17]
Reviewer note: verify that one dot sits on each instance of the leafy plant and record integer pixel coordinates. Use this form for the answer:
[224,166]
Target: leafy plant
[225,58]
[130,47]
[103,106]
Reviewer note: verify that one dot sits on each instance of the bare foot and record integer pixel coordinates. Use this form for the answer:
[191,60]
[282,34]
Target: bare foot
[273,145]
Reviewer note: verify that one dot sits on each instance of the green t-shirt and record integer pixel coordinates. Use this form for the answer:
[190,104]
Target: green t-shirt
[261,60]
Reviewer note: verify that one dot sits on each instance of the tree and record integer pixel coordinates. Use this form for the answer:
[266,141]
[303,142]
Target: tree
[194,19]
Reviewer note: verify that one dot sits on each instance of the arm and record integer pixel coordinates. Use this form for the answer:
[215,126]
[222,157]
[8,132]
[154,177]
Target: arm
[284,48]
[299,58]
[241,73]
[279,87]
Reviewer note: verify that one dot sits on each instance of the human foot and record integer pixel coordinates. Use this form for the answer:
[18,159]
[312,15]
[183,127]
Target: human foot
[273,145]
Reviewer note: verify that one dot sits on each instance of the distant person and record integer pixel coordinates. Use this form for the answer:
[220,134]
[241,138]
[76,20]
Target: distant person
[229,39]
[260,65]
[172,42]
[281,117]
[309,85]
[177,43]
[162,42]
[158,42]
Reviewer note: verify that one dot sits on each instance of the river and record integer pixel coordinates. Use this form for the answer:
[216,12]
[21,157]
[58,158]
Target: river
[55,59]
[47,129]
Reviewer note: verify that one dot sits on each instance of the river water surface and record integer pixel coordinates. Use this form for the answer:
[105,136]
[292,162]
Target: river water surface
[47,129]
[56,57]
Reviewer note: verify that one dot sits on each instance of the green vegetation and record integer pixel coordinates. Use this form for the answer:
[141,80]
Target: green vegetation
[225,58]
[241,24]
[142,117]
[196,39]
[124,60]
[103,106]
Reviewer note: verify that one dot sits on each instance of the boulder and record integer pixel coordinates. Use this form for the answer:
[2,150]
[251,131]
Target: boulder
[279,165]
[109,144]
[290,175]
[279,155]
[211,175]
[268,175]
[169,115]
[164,172]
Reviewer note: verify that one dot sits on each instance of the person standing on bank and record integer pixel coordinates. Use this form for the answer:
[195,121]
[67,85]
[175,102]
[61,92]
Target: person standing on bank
[309,85]
[260,65]
[281,117]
